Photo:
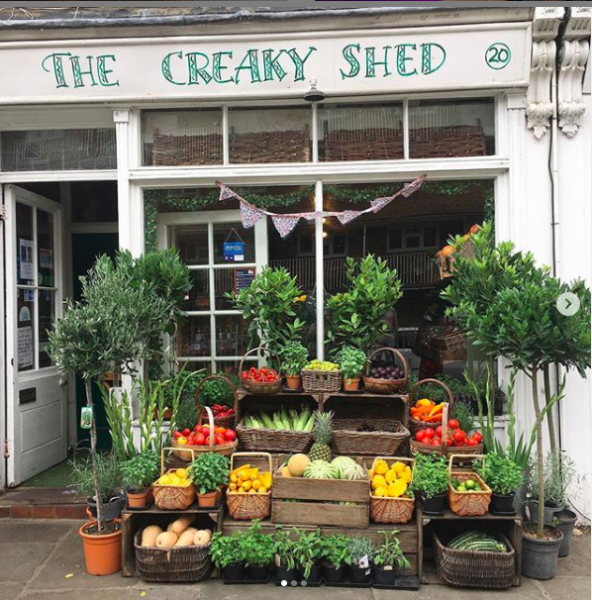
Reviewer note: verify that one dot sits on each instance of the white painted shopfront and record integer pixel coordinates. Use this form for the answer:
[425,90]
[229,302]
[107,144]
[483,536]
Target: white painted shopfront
[113,104]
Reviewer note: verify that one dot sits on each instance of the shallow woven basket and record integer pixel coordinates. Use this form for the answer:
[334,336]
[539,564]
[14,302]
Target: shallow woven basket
[172,565]
[386,440]
[468,568]
[260,388]
[387,386]
[414,424]
[273,440]
[172,497]
[321,381]
[392,510]
[244,506]
[468,504]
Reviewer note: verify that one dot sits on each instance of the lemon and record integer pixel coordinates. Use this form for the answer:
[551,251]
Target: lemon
[399,467]
[397,489]
[381,492]
[378,481]
[164,480]
[181,473]
[380,467]
[406,475]
[175,480]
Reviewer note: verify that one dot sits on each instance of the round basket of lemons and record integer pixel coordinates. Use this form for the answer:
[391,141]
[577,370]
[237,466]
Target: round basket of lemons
[173,490]
[391,500]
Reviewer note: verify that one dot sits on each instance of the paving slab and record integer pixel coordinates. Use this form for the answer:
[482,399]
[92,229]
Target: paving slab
[19,560]
[562,588]
[9,591]
[39,531]
[169,592]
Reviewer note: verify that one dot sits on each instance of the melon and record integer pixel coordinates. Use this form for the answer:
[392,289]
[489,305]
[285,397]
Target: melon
[286,472]
[297,464]
[348,468]
[320,469]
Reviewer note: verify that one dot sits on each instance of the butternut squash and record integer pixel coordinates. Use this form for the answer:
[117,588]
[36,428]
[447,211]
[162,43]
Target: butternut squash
[185,539]
[166,540]
[149,536]
[202,537]
[181,524]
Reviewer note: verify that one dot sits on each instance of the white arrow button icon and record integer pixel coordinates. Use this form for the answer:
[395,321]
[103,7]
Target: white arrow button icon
[568,304]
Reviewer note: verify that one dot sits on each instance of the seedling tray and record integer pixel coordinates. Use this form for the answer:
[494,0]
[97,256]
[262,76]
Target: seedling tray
[348,584]
[401,583]
[246,581]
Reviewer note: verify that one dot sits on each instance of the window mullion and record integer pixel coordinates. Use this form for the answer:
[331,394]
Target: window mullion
[36,292]
[405,129]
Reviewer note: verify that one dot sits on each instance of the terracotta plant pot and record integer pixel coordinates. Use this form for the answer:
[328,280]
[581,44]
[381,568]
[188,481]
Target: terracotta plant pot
[294,382]
[208,500]
[351,385]
[137,499]
[101,552]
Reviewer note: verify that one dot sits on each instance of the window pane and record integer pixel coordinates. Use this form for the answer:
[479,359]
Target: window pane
[46,316]
[368,132]
[430,237]
[175,138]
[58,150]
[25,264]
[228,280]
[395,239]
[272,135]
[453,128]
[25,330]
[233,243]
[232,337]
[45,248]
[192,244]
[198,297]
[94,201]
[194,337]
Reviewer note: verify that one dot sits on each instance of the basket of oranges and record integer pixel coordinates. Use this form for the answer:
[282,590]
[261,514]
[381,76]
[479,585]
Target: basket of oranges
[173,490]
[249,491]
[390,499]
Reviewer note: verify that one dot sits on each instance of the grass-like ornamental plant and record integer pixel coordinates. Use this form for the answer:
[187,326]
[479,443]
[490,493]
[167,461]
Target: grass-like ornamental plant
[500,473]
[209,471]
[430,475]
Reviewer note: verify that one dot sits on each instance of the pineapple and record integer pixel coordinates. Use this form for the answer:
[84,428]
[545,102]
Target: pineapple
[322,434]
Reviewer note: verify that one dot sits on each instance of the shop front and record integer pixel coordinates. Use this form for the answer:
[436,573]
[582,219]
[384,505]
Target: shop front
[118,140]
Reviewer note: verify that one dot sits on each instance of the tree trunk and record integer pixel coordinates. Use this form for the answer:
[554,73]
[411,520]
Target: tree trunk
[540,456]
[93,455]
[492,383]
[550,418]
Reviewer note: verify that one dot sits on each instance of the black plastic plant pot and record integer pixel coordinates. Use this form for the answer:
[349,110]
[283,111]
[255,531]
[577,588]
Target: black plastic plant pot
[502,504]
[315,575]
[384,576]
[334,575]
[288,575]
[111,508]
[434,505]
[258,572]
[234,572]
[359,575]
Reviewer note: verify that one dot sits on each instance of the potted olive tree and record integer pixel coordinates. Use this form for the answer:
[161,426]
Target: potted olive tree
[353,363]
[139,472]
[294,359]
[111,328]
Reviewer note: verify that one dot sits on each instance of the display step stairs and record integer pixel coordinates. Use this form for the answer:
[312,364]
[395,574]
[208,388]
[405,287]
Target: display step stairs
[41,503]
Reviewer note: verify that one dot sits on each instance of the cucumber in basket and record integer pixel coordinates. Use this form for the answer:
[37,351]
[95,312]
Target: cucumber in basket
[477,541]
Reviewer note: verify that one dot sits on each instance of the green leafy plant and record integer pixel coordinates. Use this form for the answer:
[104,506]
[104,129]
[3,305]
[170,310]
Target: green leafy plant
[256,547]
[352,361]
[217,391]
[226,550]
[360,547]
[108,470]
[390,553]
[271,305]
[356,317]
[500,473]
[209,471]
[294,358]
[337,550]
[430,475]
[559,474]
[284,549]
[141,470]
[309,549]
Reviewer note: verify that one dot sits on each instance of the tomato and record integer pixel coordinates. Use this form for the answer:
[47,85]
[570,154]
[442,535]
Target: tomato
[472,442]
[439,431]
[430,433]
[477,435]
[182,441]
[230,435]
[453,424]
[458,435]
[186,432]
[219,430]
[436,442]
[420,435]
[177,435]
[450,442]
[205,430]
[220,441]
[200,439]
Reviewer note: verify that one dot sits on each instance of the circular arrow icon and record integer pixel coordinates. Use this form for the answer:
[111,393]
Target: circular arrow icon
[568,304]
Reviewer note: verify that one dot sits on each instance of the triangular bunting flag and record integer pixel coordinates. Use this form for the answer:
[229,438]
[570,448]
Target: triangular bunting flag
[409,188]
[380,203]
[226,193]
[284,224]
[249,214]
[348,215]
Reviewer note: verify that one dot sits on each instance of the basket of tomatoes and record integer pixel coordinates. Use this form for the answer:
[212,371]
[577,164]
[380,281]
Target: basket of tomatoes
[264,381]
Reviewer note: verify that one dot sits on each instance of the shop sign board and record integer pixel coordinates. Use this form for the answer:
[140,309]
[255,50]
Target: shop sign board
[378,61]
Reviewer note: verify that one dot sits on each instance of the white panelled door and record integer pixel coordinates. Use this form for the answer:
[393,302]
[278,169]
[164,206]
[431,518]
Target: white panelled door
[36,423]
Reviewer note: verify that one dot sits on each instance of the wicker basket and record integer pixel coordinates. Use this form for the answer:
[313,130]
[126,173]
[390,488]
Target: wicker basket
[172,497]
[315,382]
[172,565]
[244,506]
[188,453]
[468,504]
[387,386]
[467,568]
[414,424]
[272,440]
[224,421]
[260,388]
[392,510]
[389,436]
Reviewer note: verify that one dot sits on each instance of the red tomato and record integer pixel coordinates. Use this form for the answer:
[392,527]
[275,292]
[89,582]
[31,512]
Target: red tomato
[186,432]
[450,442]
[458,435]
[453,424]
[177,435]
[477,435]
[200,439]
[220,441]
[439,431]
[420,435]
[196,429]
[436,442]
[429,433]
[472,442]
[205,430]
[230,435]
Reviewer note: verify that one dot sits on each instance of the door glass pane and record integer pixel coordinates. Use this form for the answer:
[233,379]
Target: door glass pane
[228,238]
[25,330]
[25,264]
[198,297]
[270,135]
[228,280]
[232,337]
[192,244]
[46,317]
[194,337]
[45,248]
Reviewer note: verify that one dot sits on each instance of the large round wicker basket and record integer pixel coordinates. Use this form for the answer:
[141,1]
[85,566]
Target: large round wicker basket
[260,388]
[387,386]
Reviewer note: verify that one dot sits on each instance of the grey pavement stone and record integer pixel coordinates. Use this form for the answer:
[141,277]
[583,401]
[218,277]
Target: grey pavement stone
[169,592]
[19,560]
[43,531]
[562,588]
[9,591]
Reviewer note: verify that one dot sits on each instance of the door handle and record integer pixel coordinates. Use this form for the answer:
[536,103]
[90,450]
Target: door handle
[63,381]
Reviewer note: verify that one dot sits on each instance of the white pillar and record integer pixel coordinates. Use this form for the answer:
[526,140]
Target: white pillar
[320,271]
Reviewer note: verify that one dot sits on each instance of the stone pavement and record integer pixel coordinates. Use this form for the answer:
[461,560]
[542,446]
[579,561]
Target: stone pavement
[43,560]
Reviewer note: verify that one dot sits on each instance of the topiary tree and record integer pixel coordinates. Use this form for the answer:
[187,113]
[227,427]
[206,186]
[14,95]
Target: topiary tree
[111,328]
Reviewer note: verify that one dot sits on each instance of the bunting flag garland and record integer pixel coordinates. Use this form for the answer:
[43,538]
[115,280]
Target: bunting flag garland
[285,223]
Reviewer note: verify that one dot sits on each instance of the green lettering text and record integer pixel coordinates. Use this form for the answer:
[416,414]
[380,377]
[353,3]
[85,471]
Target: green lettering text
[299,62]
[354,63]
[402,60]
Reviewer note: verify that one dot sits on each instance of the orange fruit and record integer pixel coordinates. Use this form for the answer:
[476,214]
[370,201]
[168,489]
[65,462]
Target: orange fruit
[447,251]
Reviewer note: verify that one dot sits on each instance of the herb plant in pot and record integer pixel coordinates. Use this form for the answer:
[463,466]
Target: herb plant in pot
[361,551]
[138,474]
[309,554]
[284,549]
[294,358]
[504,477]
[227,552]
[336,557]
[209,472]
[430,481]
[353,363]
[388,558]
[257,548]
